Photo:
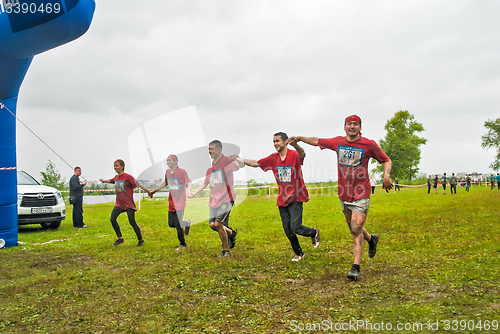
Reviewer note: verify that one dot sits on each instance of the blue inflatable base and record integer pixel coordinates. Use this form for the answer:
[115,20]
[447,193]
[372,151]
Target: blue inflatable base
[8,213]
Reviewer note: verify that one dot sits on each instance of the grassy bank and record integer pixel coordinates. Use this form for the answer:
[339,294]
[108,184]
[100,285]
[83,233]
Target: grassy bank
[438,260]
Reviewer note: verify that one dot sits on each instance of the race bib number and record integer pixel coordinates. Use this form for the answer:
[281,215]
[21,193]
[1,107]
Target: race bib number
[173,183]
[284,174]
[350,156]
[120,186]
[216,177]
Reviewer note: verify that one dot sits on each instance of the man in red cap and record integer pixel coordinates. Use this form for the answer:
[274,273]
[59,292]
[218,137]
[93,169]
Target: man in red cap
[353,154]
[177,180]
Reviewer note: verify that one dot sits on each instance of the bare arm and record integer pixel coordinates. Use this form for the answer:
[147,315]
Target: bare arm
[161,186]
[105,181]
[296,146]
[251,163]
[200,188]
[308,140]
[145,189]
[387,184]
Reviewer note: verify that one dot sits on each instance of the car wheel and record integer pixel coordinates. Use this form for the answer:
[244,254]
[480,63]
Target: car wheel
[55,225]
[52,225]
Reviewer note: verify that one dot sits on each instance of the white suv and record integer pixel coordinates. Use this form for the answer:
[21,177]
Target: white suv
[38,204]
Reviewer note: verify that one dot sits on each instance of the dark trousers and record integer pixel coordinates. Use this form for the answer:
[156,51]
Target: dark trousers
[291,217]
[131,219]
[78,212]
[428,188]
[174,221]
[373,190]
[453,188]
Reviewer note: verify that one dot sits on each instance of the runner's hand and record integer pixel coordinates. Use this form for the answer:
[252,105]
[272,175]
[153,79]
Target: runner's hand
[387,184]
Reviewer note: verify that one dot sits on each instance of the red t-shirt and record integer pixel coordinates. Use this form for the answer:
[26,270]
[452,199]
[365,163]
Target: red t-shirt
[177,182]
[353,158]
[220,177]
[124,187]
[288,174]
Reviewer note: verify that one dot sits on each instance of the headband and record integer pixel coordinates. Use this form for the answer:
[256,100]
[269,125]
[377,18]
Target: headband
[353,118]
[173,157]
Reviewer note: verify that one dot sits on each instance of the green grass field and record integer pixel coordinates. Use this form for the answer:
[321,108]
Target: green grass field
[437,262]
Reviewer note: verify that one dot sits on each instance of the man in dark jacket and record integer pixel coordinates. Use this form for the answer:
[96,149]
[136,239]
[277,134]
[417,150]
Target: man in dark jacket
[76,198]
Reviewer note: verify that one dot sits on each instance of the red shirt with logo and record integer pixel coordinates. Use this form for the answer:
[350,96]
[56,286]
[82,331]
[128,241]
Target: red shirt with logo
[353,158]
[124,187]
[177,182]
[220,177]
[288,174]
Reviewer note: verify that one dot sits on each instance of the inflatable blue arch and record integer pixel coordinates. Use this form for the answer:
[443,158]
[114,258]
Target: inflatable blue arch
[27,28]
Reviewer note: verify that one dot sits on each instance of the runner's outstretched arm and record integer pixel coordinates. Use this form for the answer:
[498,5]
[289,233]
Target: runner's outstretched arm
[161,186]
[242,162]
[308,140]
[200,188]
[251,163]
[144,188]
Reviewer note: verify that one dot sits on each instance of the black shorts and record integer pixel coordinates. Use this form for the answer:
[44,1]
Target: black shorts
[220,214]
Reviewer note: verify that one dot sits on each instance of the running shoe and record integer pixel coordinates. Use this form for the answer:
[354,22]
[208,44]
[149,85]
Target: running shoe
[232,239]
[225,254]
[372,250]
[186,229]
[298,258]
[181,247]
[316,239]
[353,274]
[140,243]
[118,242]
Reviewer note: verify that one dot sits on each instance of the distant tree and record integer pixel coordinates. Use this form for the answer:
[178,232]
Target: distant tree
[52,178]
[492,139]
[253,183]
[402,145]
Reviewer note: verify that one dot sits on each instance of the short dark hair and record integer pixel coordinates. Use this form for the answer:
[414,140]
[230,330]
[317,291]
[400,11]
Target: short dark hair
[282,135]
[215,142]
[76,168]
[121,162]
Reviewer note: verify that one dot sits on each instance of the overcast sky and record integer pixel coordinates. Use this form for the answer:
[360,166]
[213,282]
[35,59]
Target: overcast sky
[252,68]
